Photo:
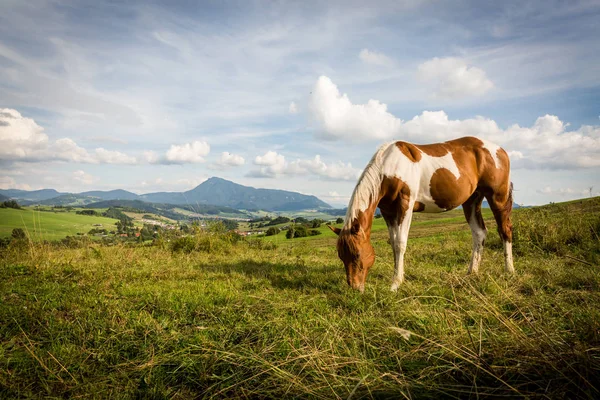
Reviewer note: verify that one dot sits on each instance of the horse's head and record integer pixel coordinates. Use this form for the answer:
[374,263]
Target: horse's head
[356,252]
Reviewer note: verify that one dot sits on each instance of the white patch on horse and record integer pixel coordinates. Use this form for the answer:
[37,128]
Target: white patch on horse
[417,175]
[493,149]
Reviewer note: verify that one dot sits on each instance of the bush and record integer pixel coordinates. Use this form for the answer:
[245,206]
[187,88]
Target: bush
[272,231]
[87,212]
[18,233]
[10,204]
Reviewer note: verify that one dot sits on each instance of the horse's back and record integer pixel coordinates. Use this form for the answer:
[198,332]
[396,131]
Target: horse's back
[442,176]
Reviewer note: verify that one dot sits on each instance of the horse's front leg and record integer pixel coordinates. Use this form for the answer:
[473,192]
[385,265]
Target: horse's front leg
[399,240]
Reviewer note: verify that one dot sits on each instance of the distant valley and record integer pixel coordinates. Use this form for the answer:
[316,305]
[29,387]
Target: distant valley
[214,197]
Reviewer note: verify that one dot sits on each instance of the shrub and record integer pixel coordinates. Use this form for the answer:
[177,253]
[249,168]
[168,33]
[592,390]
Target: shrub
[10,204]
[87,212]
[18,233]
[272,231]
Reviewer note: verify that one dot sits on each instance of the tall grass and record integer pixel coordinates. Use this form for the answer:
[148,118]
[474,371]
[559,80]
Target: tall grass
[237,319]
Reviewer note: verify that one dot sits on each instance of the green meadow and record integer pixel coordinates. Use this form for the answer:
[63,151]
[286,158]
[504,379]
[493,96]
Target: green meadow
[49,225]
[215,316]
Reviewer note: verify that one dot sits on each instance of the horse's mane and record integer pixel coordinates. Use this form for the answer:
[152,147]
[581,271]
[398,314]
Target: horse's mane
[367,188]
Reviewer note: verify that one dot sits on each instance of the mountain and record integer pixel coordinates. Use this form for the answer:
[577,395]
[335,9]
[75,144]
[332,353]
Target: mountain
[169,210]
[35,195]
[214,191]
[221,192]
[118,194]
[68,199]
[3,197]
[485,204]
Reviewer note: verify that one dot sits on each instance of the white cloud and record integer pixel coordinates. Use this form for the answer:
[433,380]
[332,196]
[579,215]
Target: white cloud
[83,177]
[113,157]
[230,160]
[274,165]
[452,78]
[547,144]
[188,153]
[22,139]
[375,58]
[270,158]
[334,171]
[293,108]
[342,119]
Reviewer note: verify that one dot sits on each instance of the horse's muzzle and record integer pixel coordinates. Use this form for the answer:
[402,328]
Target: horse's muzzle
[358,286]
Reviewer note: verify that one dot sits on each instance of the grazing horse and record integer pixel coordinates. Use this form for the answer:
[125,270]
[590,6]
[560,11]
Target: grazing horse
[403,178]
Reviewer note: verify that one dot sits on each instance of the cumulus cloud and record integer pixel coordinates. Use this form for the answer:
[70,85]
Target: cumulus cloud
[187,153]
[230,160]
[342,119]
[274,165]
[452,78]
[546,144]
[372,57]
[293,108]
[22,139]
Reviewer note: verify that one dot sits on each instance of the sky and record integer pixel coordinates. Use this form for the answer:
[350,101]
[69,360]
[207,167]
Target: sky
[160,96]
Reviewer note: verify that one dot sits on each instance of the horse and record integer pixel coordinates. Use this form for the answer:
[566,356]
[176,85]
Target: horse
[403,178]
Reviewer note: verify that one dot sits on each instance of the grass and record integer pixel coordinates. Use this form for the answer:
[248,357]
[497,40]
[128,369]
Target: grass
[49,225]
[253,319]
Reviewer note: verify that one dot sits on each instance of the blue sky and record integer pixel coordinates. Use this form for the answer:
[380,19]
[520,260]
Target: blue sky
[293,95]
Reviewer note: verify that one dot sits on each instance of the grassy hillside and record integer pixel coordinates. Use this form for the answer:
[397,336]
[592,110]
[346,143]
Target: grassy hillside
[225,319]
[48,225]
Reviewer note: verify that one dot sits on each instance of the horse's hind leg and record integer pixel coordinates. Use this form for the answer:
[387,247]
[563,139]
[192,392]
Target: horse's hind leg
[472,210]
[501,205]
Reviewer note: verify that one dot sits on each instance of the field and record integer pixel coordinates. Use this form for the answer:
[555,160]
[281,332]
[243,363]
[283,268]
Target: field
[48,225]
[212,317]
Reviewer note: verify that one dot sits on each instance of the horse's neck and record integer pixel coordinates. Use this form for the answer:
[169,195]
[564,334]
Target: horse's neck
[364,200]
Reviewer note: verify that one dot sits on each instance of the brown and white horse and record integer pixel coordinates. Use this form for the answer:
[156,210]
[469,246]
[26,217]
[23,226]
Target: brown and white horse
[403,178]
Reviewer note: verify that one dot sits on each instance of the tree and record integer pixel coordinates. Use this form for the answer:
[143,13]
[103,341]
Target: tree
[10,204]
[339,221]
[145,233]
[18,233]
[300,231]
[272,231]
[290,233]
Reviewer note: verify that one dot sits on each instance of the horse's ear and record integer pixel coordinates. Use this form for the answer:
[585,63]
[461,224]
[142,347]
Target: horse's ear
[335,230]
[355,228]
